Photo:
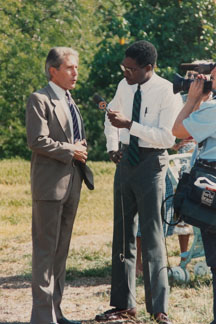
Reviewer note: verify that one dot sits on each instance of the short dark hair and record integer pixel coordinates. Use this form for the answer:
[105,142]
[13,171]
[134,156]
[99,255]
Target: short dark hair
[142,52]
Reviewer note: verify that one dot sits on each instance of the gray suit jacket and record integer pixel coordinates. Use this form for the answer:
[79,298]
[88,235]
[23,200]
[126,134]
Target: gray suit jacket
[51,141]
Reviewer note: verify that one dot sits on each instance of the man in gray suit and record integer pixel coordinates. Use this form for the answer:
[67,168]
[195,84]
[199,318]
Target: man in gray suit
[56,136]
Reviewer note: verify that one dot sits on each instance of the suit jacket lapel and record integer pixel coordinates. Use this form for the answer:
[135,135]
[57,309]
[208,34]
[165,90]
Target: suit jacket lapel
[60,114]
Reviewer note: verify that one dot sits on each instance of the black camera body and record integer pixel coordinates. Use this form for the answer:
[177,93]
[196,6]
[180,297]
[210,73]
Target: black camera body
[182,84]
[201,68]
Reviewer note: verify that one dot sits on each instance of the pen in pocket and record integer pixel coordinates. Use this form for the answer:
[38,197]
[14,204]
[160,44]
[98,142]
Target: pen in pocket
[146,110]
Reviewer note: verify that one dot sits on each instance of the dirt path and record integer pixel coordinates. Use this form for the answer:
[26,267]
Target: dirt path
[82,299]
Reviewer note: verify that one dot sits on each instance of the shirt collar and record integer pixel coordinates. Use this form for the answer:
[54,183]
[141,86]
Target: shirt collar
[58,90]
[149,83]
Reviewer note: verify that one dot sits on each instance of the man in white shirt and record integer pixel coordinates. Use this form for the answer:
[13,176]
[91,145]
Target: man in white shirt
[56,136]
[138,130]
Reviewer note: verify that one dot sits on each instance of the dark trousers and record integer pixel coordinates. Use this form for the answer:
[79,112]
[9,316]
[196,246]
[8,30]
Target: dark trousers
[209,243]
[139,189]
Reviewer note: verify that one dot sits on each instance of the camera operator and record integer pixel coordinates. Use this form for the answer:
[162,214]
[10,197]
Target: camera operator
[198,119]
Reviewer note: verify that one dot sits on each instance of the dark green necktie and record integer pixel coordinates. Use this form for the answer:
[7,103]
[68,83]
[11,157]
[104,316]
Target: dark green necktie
[133,148]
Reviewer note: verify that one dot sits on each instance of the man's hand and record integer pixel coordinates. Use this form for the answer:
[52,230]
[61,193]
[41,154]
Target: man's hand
[182,143]
[118,120]
[115,156]
[80,152]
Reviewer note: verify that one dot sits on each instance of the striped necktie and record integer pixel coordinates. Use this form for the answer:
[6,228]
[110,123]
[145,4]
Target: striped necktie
[133,148]
[74,116]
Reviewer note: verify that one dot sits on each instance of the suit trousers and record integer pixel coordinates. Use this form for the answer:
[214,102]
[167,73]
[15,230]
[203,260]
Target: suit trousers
[52,223]
[139,189]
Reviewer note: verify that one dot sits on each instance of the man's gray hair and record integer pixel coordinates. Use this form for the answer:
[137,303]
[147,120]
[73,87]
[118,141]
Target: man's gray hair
[56,57]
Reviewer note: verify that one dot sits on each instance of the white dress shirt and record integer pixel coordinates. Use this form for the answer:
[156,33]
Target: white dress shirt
[159,109]
[61,94]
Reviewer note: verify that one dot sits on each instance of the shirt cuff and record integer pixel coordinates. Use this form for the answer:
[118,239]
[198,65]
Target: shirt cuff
[112,146]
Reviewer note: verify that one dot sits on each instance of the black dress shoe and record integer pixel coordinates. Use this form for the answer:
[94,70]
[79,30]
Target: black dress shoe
[116,314]
[64,320]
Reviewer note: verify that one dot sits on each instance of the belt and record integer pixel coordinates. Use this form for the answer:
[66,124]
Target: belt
[144,149]
[204,162]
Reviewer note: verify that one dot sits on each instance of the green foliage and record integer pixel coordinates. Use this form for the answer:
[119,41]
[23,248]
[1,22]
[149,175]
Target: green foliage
[182,31]
[28,30]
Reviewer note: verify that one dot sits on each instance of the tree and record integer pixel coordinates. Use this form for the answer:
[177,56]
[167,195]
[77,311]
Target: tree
[182,31]
[28,30]
[100,30]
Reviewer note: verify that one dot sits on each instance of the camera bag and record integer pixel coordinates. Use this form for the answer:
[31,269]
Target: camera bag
[195,197]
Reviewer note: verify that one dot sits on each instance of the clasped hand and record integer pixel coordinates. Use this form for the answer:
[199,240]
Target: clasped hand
[80,152]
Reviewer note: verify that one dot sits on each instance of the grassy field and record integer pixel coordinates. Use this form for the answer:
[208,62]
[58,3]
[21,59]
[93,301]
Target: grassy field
[89,262]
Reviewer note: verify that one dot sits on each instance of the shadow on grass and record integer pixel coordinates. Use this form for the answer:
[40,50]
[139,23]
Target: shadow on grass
[74,277]
[94,277]
[14,322]
[100,272]
[15,282]
[88,277]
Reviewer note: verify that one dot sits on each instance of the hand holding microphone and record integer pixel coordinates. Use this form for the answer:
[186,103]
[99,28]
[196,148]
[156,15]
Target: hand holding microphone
[116,118]
[115,156]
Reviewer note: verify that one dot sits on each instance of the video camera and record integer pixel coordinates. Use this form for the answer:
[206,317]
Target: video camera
[183,84]
[201,68]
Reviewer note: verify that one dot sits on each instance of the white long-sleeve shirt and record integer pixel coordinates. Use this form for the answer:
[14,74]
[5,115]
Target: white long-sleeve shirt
[159,109]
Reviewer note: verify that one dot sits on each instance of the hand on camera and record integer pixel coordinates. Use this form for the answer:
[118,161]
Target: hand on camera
[196,90]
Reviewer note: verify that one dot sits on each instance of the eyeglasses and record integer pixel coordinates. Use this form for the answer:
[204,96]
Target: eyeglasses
[128,69]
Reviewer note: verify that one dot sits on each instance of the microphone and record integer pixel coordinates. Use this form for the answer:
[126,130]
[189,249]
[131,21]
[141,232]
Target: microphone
[102,104]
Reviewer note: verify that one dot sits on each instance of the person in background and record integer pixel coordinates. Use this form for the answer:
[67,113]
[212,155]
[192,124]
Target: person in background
[183,230]
[188,145]
[198,119]
[139,122]
[56,136]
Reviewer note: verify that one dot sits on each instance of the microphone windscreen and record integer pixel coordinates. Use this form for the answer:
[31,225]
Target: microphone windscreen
[100,102]
[97,99]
